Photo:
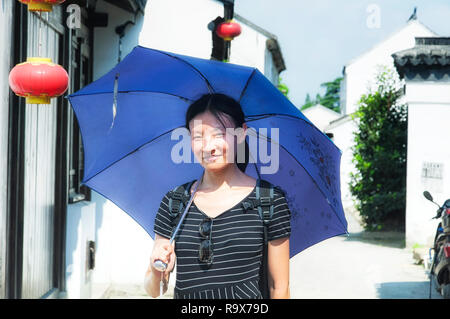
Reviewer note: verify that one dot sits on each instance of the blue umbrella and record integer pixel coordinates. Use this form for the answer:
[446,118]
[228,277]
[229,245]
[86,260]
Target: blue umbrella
[127,117]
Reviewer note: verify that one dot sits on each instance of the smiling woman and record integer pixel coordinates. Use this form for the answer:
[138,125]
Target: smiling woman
[219,249]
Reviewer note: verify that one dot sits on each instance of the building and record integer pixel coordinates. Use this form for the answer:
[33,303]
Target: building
[321,116]
[358,76]
[426,70]
[59,239]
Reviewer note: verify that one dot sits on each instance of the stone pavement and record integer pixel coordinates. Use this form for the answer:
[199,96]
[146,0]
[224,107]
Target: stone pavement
[362,265]
[131,291]
[356,267]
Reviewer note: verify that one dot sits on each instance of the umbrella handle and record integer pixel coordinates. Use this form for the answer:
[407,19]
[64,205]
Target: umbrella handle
[159,264]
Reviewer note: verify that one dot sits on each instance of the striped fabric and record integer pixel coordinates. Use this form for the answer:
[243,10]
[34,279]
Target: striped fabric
[237,241]
[242,290]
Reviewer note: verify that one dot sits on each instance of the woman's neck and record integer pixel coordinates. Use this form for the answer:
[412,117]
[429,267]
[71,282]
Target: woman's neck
[223,179]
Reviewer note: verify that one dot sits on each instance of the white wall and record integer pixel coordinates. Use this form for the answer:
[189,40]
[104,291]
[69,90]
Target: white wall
[249,48]
[165,28]
[180,26]
[5,44]
[106,45]
[361,71]
[428,141]
[343,130]
[79,230]
[320,116]
[122,246]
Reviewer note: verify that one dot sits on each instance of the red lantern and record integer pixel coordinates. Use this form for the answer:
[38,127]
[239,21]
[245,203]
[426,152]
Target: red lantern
[228,30]
[41,5]
[38,80]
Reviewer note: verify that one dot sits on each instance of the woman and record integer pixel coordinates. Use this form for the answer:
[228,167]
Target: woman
[218,249]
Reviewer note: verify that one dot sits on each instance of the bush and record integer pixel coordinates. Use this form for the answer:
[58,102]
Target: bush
[379,183]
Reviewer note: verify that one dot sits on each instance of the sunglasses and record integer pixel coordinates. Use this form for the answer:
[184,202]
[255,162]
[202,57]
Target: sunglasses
[205,253]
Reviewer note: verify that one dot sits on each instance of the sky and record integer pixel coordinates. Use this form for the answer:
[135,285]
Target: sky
[317,38]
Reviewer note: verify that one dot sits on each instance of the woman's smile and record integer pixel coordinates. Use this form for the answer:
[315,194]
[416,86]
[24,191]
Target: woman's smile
[212,158]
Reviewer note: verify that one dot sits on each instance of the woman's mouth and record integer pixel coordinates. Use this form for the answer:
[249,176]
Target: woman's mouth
[211,158]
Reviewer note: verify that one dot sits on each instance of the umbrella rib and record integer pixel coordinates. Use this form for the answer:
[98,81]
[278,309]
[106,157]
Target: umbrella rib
[83,94]
[246,84]
[210,88]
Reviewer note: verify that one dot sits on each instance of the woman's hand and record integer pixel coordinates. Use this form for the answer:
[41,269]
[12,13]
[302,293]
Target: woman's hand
[164,251]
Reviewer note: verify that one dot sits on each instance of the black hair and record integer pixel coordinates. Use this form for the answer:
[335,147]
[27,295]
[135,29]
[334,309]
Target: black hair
[218,104]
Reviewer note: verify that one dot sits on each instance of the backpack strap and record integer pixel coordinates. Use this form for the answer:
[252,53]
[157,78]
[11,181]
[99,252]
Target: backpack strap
[264,202]
[178,198]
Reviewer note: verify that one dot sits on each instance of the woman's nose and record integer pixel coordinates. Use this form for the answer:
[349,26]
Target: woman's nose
[208,144]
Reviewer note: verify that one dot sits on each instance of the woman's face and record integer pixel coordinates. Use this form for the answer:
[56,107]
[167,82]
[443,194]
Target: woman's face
[213,145]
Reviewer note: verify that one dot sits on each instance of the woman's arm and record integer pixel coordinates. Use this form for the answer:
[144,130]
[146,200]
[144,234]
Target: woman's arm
[164,251]
[278,268]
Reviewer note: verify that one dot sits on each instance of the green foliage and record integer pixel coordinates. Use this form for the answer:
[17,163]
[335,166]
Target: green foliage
[331,98]
[379,183]
[308,102]
[283,87]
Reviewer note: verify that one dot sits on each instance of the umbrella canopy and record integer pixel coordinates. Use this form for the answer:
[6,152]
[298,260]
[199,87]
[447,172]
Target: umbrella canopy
[127,117]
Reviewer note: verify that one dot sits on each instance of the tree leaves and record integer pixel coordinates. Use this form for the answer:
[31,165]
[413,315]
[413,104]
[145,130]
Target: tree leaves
[379,154]
[331,99]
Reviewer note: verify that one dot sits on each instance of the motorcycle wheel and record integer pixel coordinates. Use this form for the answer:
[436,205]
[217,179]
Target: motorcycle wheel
[446,291]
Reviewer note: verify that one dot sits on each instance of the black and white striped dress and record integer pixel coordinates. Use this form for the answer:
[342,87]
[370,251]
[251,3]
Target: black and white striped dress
[237,241]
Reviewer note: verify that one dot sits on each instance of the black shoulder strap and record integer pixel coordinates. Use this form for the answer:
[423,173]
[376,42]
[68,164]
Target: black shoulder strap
[264,200]
[178,198]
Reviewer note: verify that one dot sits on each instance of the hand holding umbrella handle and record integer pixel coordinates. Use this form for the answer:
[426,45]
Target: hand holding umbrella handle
[159,264]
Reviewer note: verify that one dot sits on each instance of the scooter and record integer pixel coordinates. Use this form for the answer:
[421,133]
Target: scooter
[440,266]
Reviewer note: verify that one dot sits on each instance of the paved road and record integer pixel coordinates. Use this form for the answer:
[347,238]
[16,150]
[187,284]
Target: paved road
[360,266]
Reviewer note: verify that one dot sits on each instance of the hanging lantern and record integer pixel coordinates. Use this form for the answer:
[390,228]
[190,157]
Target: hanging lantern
[228,30]
[38,80]
[41,5]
